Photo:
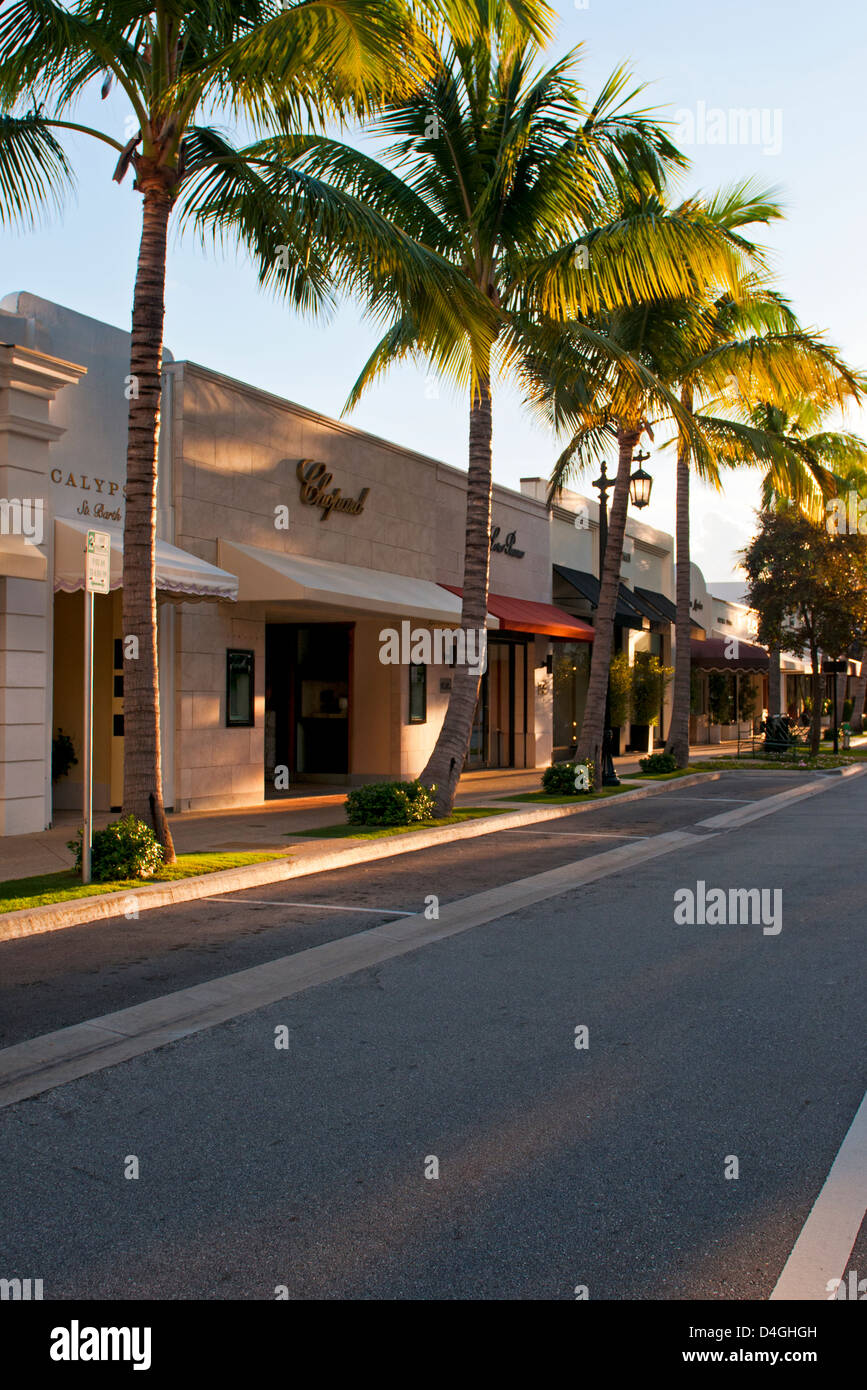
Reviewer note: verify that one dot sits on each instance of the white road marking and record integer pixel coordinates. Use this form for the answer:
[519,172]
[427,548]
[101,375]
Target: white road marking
[822,1249]
[578,834]
[332,907]
[769,805]
[741,800]
[29,1068]
[38,1065]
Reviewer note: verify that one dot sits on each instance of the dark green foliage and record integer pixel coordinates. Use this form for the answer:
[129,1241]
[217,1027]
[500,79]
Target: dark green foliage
[559,779]
[649,679]
[621,689]
[62,755]
[125,849]
[720,698]
[389,803]
[656,763]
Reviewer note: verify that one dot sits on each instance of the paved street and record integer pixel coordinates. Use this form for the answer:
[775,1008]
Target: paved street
[559,1166]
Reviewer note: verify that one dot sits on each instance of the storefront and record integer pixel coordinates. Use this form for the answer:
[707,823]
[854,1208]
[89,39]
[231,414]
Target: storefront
[643,620]
[349,555]
[307,577]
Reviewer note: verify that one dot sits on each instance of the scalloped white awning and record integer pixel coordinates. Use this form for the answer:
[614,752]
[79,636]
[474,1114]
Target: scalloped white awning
[21,559]
[180,575]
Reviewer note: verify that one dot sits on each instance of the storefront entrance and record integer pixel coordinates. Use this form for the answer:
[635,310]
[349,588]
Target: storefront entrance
[307,701]
[499,735]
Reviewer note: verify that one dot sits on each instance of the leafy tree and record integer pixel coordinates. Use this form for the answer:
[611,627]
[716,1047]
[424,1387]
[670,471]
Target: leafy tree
[815,468]
[274,63]
[649,679]
[497,168]
[620,676]
[809,588]
[667,360]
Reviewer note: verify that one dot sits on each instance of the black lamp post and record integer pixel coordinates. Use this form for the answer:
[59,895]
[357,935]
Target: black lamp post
[640,485]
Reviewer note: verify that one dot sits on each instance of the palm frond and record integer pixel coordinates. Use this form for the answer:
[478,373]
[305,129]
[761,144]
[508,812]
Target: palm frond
[34,172]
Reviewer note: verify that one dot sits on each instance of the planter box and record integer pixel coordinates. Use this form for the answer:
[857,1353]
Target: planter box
[641,738]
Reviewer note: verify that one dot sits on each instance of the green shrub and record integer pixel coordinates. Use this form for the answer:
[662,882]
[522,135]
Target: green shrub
[720,698]
[125,849]
[389,803]
[621,689]
[62,755]
[696,691]
[747,701]
[559,779]
[649,679]
[656,763]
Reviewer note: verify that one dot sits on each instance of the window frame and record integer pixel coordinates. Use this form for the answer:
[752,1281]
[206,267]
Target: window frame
[418,685]
[250,722]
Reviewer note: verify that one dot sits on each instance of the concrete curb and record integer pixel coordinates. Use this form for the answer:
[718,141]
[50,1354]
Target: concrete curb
[55,916]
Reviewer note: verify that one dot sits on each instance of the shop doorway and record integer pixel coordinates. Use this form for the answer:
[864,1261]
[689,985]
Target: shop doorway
[307,703]
[499,734]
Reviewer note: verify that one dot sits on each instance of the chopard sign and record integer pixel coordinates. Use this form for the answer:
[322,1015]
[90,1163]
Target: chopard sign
[315,481]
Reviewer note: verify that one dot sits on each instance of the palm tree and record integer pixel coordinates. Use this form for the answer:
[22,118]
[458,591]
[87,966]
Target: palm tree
[603,409]
[268,61]
[758,348]
[496,170]
[710,348]
[811,465]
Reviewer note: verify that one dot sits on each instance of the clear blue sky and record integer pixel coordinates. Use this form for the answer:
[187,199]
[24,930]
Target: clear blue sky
[800,62]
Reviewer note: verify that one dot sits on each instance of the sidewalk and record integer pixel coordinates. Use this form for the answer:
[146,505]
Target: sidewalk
[272,824]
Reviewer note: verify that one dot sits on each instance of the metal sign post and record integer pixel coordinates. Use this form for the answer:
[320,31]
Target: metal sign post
[97,573]
[835,669]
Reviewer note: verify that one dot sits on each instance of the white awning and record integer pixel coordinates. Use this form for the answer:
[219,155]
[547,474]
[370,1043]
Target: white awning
[179,574]
[21,559]
[272,576]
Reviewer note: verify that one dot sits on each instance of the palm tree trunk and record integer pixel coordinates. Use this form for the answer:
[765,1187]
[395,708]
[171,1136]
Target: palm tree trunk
[858,692]
[678,730]
[593,724]
[142,773]
[446,762]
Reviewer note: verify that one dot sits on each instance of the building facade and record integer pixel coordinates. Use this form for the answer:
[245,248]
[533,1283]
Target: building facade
[308,578]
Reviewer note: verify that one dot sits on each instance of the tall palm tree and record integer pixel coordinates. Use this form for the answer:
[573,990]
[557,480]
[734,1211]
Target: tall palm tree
[496,169]
[605,409]
[811,465]
[757,348]
[269,62]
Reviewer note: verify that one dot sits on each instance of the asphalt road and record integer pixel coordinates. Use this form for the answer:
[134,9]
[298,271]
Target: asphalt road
[603,1166]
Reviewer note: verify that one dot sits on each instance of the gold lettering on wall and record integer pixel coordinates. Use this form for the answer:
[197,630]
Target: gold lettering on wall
[315,481]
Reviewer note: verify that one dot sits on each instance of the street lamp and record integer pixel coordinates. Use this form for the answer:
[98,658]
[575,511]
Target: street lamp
[640,485]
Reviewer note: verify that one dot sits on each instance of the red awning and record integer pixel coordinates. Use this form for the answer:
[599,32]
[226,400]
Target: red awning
[526,615]
[728,654]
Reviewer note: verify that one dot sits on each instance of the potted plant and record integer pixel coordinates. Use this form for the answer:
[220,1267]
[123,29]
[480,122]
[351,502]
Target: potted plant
[621,698]
[697,716]
[649,679]
[719,704]
[62,755]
